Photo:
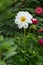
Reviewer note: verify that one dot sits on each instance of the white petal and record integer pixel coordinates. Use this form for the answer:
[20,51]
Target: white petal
[29,15]
[20,26]
[25,25]
[17,21]
[20,14]
[29,21]
[24,13]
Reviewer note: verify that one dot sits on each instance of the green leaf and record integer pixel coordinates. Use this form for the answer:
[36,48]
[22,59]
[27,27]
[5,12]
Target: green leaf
[33,37]
[10,54]
[2,63]
[1,38]
[7,43]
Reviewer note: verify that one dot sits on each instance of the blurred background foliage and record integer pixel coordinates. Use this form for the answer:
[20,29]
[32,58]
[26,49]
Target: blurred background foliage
[12,51]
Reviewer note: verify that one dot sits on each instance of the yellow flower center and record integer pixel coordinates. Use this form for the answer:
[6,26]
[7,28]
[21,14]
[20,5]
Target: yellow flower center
[23,18]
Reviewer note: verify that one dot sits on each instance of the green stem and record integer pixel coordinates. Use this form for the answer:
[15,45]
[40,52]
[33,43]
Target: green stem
[0,54]
[24,33]
[24,38]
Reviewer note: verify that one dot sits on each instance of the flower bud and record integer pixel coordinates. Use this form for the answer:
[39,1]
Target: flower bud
[38,10]
[41,41]
[34,21]
[40,30]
